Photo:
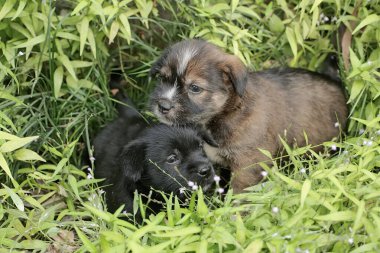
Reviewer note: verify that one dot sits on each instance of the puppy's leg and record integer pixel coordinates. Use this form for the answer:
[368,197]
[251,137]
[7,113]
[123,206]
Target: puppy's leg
[247,173]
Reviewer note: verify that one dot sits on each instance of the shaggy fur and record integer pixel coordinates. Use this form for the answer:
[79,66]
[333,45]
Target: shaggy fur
[132,156]
[245,111]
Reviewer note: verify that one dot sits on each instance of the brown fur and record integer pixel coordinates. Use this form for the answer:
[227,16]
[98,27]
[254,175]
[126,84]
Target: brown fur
[245,111]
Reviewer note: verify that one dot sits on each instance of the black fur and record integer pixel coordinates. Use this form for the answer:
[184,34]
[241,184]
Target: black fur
[131,155]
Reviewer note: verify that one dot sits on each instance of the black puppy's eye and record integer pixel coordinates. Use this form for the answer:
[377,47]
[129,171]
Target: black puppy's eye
[195,89]
[172,159]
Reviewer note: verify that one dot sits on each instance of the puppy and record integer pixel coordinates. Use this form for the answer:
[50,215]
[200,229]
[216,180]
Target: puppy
[245,111]
[131,155]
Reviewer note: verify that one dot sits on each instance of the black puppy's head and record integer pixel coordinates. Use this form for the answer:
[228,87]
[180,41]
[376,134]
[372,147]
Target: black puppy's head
[168,159]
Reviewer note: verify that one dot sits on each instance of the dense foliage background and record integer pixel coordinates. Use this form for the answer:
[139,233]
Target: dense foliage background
[56,58]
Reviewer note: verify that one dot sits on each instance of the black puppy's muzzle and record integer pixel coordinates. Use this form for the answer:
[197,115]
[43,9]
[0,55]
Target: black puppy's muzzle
[164,105]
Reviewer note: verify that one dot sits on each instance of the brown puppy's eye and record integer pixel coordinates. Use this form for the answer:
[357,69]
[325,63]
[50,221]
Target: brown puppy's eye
[195,89]
[172,159]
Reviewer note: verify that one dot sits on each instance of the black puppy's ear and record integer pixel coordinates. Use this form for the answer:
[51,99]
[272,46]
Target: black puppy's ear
[132,159]
[236,72]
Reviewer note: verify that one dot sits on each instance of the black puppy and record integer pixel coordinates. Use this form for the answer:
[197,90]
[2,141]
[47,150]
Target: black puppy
[131,155]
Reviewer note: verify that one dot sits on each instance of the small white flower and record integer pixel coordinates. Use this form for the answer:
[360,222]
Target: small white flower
[182,190]
[101,191]
[333,147]
[190,183]
[326,19]
[322,15]
[365,143]
[378,132]
[92,158]
[220,190]
[89,176]
[306,251]
[194,187]
[336,124]
[351,240]
[21,53]
[334,19]
[275,234]
[345,152]
[298,250]
[89,169]
[275,209]
[369,62]
[303,170]
[264,173]
[369,143]
[361,131]
[216,178]
[124,212]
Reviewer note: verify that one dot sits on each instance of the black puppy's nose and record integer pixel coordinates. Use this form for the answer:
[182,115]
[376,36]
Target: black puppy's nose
[164,106]
[204,171]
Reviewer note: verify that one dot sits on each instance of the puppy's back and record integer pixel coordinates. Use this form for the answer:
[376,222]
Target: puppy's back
[313,103]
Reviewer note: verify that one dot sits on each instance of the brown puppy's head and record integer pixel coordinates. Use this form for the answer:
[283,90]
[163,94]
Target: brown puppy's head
[196,81]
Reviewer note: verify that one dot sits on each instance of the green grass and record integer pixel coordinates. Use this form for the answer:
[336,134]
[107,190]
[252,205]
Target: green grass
[54,72]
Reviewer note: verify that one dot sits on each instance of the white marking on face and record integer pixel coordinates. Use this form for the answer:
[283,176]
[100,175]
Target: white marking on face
[170,93]
[183,60]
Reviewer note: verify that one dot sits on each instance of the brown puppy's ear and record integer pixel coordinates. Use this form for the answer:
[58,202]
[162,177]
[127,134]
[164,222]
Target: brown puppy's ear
[131,160]
[236,73]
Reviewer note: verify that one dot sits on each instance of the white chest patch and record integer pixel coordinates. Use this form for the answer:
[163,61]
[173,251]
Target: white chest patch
[183,60]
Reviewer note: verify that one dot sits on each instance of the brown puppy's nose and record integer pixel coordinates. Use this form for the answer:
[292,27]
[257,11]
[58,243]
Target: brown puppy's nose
[164,106]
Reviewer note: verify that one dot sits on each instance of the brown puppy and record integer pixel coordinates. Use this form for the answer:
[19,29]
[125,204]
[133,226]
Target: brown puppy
[244,111]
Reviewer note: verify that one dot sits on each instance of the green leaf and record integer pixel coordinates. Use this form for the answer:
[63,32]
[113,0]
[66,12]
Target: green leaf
[202,209]
[74,185]
[16,144]
[24,154]
[32,42]
[180,232]
[337,216]
[66,62]
[20,8]
[4,165]
[124,21]
[82,4]
[58,78]
[305,190]
[7,136]
[234,4]
[15,198]
[7,7]
[113,31]
[83,33]
[356,89]
[100,214]
[254,247]
[86,242]
[91,41]
[368,20]
[275,24]
[292,40]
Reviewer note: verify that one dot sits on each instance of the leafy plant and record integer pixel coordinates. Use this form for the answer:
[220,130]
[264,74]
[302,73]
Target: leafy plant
[55,62]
